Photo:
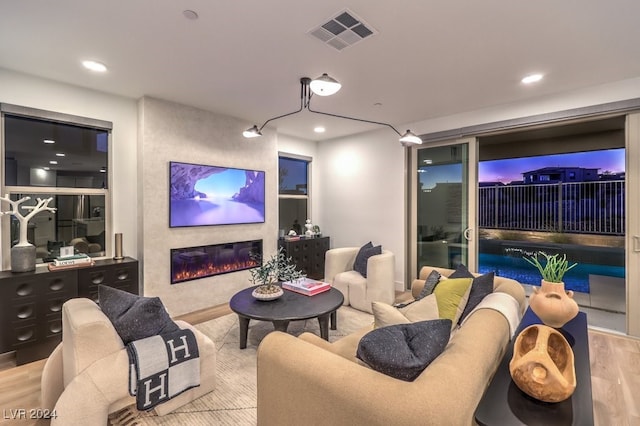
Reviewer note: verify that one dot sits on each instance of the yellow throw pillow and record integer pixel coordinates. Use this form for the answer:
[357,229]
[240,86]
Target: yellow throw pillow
[422,310]
[452,295]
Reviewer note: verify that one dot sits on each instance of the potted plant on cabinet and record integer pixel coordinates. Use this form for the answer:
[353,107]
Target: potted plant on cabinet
[267,275]
[551,302]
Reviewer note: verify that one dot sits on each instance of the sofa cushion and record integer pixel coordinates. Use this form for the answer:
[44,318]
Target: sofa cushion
[452,295]
[421,310]
[365,252]
[134,317]
[403,351]
[480,287]
[429,284]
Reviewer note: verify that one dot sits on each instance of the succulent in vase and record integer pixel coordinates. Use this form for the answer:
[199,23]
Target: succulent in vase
[554,268]
[551,302]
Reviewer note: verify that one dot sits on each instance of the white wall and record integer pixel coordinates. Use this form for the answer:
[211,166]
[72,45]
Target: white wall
[362,193]
[33,92]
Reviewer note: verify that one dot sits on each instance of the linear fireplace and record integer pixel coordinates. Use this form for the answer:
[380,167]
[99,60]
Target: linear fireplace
[192,263]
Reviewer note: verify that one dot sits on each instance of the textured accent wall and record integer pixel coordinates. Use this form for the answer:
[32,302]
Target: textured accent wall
[174,132]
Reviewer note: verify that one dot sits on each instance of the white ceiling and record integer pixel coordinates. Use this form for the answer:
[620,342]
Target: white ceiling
[245,58]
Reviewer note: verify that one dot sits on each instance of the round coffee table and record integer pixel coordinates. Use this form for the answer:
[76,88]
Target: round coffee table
[291,306]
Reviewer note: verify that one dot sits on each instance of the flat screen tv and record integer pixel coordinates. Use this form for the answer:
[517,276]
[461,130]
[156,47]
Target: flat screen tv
[202,195]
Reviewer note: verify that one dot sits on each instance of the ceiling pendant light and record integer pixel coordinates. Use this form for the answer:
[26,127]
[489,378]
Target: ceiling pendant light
[325,85]
[410,139]
[307,90]
[252,132]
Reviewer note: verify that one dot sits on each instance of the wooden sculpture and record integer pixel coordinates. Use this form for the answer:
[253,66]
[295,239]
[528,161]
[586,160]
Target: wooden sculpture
[543,365]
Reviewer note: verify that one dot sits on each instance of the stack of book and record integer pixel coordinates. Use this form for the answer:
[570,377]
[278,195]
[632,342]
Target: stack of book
[306,286]
[75,261]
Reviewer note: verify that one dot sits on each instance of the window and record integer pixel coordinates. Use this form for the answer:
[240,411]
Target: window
[65,158]
[293,193]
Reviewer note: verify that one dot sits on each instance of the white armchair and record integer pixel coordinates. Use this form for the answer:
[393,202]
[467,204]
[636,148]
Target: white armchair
[86,377]
[359,291]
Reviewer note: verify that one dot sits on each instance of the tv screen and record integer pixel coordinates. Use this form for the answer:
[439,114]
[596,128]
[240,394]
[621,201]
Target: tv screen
[210,195]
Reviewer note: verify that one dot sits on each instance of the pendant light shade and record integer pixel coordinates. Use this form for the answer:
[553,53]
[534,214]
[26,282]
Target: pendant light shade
[325,85]
[410,138]
[252,132]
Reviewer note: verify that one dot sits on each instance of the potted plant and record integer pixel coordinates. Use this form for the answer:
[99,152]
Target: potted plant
[266,276]
[554,267]
[550,302]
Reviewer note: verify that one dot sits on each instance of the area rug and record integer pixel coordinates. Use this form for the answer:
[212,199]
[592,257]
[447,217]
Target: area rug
[233,402]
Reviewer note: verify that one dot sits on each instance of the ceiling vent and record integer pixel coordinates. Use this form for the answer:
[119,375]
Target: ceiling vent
[343,30]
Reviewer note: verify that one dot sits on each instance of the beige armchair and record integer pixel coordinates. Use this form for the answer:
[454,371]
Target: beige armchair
[86,377]
[359,291]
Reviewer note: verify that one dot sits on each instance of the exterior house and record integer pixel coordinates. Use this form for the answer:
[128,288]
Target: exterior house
[560,174]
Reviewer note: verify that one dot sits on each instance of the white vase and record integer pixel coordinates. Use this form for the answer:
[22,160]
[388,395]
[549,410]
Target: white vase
[552,304]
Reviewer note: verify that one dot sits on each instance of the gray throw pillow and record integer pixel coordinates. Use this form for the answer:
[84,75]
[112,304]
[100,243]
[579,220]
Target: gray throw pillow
[134,317]
[480,287]
[403,351]
[366,251]
[429,284]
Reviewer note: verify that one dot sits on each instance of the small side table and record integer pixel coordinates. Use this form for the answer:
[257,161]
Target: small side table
[504,404]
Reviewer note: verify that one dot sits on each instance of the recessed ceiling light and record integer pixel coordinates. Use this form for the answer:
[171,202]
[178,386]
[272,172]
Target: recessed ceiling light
[60,154]
[53,162]
[46,168]
[532,78]
[94,66]
[49,141]
[319,129]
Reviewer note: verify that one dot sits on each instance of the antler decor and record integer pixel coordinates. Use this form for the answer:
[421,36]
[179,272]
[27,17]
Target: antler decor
[41,205]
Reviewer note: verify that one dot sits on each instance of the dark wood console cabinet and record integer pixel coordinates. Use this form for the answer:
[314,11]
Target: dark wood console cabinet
[31,303]
[307,254]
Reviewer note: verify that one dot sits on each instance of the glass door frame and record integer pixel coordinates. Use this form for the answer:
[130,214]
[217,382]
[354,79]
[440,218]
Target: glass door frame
[632,248]
[471,233]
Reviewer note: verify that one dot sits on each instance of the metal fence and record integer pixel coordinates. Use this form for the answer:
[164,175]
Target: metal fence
[582,207]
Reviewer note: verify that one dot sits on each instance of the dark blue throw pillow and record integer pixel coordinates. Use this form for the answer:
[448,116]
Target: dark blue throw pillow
[480,287]
[366,251]
[134,317]
[403,351]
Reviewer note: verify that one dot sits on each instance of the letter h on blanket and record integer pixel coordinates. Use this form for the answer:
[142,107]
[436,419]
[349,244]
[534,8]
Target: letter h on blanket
[162,366]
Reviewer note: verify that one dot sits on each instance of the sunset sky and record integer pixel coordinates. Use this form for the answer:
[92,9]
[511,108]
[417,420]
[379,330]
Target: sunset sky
[509,170]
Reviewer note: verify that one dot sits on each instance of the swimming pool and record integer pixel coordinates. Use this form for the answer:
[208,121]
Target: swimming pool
[577,279]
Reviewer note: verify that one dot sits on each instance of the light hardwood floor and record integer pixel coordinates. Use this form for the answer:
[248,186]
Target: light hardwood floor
[615,378]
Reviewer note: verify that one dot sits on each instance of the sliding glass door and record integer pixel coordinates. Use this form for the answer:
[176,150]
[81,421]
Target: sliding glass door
[443,199]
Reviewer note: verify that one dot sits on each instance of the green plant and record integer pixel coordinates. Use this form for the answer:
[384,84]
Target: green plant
[554,267]
[278,268]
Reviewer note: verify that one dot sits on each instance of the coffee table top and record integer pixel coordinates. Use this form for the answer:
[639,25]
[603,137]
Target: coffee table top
[291,306]
[505,404]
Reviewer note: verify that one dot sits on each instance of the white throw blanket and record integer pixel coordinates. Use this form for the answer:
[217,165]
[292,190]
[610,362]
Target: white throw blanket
[504,303]
[163,366]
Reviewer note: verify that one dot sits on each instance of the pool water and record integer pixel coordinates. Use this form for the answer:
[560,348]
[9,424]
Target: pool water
[577,279]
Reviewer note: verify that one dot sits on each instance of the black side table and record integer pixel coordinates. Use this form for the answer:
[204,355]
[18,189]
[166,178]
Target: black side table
[504,404]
